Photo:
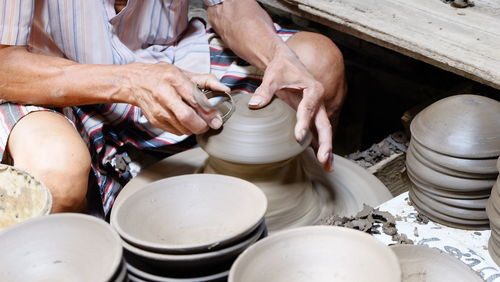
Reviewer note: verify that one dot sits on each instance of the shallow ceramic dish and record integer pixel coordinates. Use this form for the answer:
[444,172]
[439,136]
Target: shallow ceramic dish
[59,247]
[445,219]
[474,166]
[448,171]
[255,136]
[317,253]
[459,212]
[421,263]
[190,213]
[476,204]
[463,126]
[21,196]
[443,180]
[439,191]
[192,263]
[349,186]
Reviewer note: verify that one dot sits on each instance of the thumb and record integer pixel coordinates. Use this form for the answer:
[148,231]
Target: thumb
[262,96]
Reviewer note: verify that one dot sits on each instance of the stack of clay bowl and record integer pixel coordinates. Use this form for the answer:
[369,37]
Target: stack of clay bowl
[189,227]
[260,147]
[451,160]
[61,247]
[21,197]
[493,210]
[317,253]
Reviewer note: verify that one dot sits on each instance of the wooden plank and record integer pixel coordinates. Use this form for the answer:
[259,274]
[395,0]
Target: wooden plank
[464,41]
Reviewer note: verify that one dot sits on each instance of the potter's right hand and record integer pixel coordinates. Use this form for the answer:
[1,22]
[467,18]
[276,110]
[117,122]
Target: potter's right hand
[166,96]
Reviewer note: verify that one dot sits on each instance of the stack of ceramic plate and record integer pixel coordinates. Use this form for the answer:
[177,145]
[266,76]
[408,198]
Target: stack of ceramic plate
[61,247]
[493,211]
[317,253]
[189,227]
[451,160]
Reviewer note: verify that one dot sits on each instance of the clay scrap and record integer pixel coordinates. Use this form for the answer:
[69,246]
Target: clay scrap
[370,220]
[459,3]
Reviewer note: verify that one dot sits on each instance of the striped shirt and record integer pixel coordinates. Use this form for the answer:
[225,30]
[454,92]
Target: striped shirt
[90,31]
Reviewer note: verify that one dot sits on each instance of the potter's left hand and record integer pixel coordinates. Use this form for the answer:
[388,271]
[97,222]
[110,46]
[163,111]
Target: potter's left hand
[286,77]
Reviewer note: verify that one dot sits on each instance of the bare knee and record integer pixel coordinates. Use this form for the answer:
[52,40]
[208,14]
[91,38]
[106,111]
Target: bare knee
[48,147]
[317,52]
[325,62]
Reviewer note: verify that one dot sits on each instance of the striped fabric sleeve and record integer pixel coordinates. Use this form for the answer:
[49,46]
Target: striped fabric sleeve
[212,2]
[15,21]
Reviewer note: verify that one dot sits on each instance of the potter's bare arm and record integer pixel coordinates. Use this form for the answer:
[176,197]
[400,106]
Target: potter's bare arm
[248,30]
[162,91]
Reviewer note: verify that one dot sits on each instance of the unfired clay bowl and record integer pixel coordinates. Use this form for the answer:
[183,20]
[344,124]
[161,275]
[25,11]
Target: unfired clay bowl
[494,251]
[454,202]
[317,253]
[446,219]
[473,166]
[421,263]
[190,213]
[60,247]
[448,182]
[465,126]
[459,212]
[442,192]
[21,196]
[191,263]
[449,171]
[255,136]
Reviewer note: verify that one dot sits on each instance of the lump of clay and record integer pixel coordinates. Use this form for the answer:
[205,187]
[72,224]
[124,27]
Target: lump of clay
[255,136]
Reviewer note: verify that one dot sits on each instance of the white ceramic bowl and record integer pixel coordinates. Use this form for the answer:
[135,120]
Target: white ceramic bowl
[60,247]
[190,213]
[317,253]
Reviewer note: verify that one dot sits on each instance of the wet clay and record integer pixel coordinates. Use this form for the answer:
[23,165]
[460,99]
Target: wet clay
[21,197]
[292,198]
[252,136]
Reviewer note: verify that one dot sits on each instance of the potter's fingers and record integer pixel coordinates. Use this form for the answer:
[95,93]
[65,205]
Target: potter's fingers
[209,81]
[325,138]
[166,121]
[307,109]
[185,115]
[263,94]
[211,117]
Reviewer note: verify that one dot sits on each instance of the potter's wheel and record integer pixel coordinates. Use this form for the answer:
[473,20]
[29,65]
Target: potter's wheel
[348,187]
